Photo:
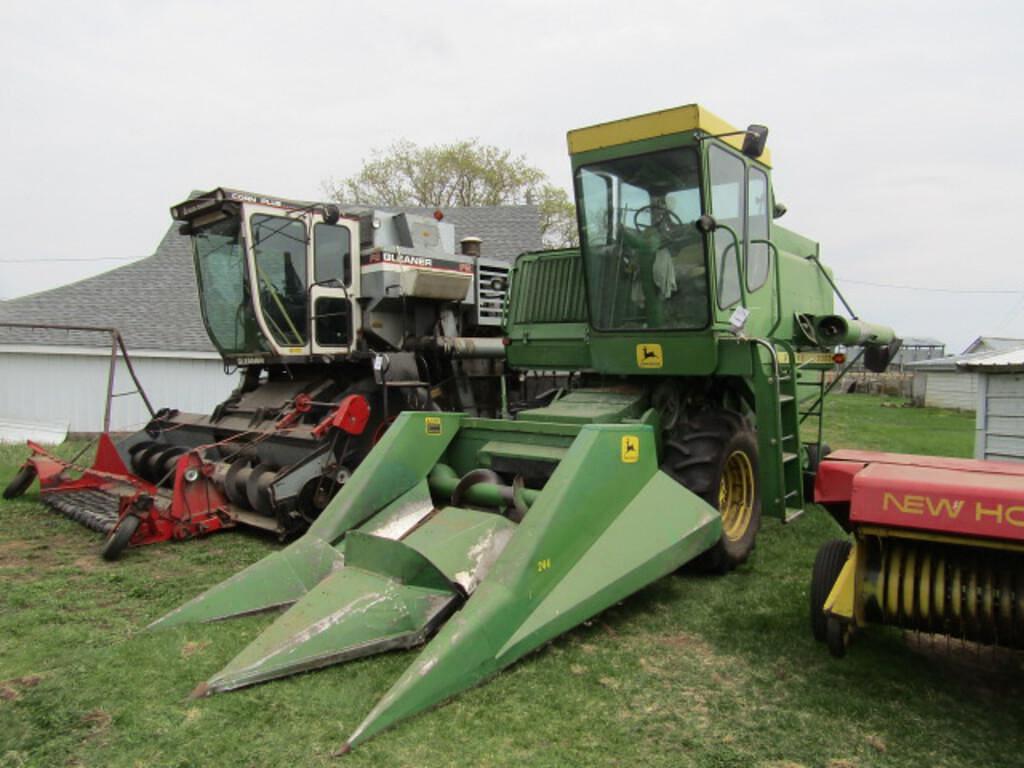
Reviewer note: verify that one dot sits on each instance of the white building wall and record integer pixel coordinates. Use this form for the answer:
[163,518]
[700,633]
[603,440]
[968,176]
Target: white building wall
[952,390]
[1000,421]
[68,386]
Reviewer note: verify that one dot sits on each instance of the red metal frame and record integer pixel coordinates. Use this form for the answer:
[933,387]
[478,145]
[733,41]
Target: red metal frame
[962,497]
[194,506]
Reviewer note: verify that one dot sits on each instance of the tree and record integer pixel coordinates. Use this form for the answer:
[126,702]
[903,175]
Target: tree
[466,173]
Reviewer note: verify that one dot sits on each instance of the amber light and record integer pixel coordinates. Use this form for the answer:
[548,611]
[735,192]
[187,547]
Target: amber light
[438,215]
[838,358]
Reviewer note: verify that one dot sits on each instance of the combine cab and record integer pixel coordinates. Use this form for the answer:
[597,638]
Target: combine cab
[338,319]
[696,333]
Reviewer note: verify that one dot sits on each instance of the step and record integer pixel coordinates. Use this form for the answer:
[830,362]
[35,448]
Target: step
[786,398]
[788,457]
[792,513]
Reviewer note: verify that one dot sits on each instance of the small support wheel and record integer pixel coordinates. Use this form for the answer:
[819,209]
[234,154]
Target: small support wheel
[21,481]
[837,637]
[827,564]
[120,537]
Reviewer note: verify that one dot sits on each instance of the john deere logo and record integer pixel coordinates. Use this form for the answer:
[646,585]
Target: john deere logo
[649,356]
[630,449]
[433,424]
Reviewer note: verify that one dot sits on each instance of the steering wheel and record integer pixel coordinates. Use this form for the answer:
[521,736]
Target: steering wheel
[659,215]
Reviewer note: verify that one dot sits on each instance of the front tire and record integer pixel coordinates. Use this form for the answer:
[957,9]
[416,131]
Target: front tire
[714,455]
[827,564]
[21,481]
[120,537]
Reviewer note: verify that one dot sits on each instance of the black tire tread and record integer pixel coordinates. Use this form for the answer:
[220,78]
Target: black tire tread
[693,453]
[120,537]
[827,565]
[20,482]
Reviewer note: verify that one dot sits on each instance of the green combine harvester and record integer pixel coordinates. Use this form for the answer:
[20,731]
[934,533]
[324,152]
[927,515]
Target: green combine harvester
[694,333]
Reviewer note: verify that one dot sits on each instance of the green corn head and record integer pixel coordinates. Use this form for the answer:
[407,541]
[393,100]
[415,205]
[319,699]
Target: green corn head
[427,544]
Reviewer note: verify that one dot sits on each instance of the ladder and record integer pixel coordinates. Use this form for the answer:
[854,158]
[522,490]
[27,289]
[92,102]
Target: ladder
[778,429]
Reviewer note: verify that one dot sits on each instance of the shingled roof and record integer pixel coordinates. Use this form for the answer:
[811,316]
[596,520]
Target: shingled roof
[155,305]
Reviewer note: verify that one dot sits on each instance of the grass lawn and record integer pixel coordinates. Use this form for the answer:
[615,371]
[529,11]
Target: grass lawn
[692,671]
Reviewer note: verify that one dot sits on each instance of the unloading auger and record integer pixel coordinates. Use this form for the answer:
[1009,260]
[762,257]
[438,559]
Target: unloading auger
[690,372]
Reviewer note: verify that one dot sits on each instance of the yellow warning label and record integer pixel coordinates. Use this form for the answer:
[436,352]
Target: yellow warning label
[433,424]
[808,358]
[649,356]
[630,449]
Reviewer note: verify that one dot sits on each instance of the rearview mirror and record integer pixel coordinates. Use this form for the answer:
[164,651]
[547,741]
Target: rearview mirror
[755,140]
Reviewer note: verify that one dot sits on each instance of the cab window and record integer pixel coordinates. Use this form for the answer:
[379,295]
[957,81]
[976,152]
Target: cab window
[279,246]
[332,254]
[758,254]
[727,205]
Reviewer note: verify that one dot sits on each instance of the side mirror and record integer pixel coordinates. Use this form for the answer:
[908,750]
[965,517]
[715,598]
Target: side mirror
[877,357]
[779,211]
[331,213]
[755,140]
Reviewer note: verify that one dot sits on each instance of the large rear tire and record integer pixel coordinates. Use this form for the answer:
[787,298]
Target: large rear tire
[21,481]
[827,564]
[714,454]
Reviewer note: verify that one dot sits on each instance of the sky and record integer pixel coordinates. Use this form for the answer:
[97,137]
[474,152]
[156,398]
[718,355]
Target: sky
[894,126]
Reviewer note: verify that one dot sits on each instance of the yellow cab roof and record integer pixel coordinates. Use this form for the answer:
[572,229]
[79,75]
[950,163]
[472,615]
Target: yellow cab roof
[691,117]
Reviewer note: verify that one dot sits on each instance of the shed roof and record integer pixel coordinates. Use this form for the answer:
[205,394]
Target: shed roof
[155,304]
[921,341]
[961,362]
[995,362]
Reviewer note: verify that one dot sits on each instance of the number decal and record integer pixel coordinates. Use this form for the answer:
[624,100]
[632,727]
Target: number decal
[543,565]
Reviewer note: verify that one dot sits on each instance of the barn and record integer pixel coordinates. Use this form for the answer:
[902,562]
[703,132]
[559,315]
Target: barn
[55,382]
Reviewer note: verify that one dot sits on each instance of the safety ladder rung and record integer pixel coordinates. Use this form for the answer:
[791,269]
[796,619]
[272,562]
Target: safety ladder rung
[792,513]
[787,437]
[792,494]
[788,457]
[786,398]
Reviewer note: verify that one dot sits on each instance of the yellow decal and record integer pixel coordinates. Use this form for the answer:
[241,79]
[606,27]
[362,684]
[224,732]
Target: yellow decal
[926,506]
[296,350]
[543,565]
[630,449]
[433,424]
[649,356]
[808,358]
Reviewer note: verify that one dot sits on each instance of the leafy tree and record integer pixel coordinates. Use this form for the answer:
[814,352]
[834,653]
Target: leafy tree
[466,173]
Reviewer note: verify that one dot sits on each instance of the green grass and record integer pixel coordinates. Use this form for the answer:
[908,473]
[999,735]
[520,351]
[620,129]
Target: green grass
[693,671]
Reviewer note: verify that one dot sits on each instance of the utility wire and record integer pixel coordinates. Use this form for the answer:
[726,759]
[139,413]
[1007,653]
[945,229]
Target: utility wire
[68,261]
[931,289]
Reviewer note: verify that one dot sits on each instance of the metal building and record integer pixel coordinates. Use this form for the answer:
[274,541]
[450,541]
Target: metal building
[948,382]
[1000,416]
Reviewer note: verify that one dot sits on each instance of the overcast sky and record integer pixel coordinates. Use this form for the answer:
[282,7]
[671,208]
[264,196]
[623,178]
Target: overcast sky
[895,127]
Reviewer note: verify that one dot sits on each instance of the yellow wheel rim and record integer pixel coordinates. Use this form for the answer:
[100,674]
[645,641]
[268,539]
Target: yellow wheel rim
[736,495]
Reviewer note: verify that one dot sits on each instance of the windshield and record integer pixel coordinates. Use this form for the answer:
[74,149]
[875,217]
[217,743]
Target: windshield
[224,288]
[644,256]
